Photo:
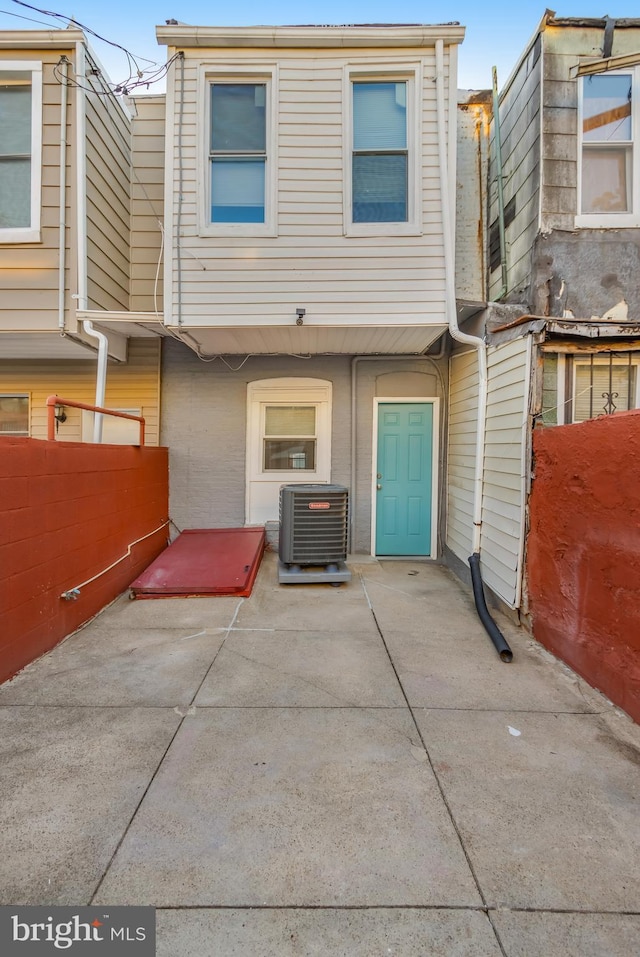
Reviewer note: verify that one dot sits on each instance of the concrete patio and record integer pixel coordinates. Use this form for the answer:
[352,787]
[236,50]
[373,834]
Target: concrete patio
[324,771]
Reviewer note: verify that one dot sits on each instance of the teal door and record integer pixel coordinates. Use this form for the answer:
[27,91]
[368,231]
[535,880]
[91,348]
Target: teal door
[404,478]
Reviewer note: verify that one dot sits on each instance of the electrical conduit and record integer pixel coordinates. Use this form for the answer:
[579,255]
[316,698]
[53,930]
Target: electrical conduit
[479,344]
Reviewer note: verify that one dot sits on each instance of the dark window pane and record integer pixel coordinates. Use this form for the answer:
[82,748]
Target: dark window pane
[281,455]
[238,121]
[380,188]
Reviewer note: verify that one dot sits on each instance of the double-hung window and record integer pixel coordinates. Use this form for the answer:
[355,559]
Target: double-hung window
[382,136]
[20,150]
[609,192]
[240,189]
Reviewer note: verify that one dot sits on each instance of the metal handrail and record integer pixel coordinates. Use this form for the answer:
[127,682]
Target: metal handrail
[54,400]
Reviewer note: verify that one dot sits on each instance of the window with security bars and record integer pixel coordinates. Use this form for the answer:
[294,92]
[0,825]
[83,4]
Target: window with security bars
[290,438]
[14,415]
[380,160]
[602,387]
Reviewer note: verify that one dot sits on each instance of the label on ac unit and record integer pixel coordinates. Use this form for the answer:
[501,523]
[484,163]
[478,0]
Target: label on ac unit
[319,505]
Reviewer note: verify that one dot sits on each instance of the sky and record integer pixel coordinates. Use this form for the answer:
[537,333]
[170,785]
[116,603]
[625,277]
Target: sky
[496,32]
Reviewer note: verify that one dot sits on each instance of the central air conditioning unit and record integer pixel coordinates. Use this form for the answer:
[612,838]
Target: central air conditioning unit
[313,534]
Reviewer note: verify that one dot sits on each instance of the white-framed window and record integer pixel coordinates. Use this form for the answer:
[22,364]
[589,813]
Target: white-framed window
[240,153]
[288,440]
[14,414]
[609,138]
[577,387]
[289,437]
[382,136]
[20,150]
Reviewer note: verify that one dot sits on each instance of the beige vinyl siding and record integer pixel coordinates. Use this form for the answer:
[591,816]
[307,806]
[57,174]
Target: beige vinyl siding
[463,419]
[134,384]
[29,272]
[108,164]
[147,202]
[520,136]
[503,491]
[310,263]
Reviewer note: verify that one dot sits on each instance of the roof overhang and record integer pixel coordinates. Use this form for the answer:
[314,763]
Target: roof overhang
[603,65]
[374,35]
[40,39]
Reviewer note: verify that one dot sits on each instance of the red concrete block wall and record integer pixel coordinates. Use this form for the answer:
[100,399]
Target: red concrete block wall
[583,551]
[67,512]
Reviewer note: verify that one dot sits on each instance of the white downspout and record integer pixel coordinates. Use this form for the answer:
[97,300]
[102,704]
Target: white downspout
[81,179]
[62,228]
[101,378]
[450,297]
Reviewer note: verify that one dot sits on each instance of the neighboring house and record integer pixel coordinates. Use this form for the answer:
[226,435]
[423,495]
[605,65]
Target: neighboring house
[73,240]
[564,342]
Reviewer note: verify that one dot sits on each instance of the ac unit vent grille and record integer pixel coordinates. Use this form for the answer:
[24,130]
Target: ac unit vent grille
[310,532]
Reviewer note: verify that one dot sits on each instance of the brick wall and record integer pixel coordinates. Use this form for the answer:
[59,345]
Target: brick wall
[67,511]
[583,552]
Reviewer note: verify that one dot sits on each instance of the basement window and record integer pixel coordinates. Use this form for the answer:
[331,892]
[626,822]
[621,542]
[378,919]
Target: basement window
[14,415]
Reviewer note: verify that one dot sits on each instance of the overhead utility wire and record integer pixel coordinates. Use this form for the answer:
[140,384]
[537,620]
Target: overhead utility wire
[138,77]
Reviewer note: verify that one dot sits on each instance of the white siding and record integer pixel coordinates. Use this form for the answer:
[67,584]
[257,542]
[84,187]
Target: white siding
[505,443]
[463,416]
[503,493]
[310,263]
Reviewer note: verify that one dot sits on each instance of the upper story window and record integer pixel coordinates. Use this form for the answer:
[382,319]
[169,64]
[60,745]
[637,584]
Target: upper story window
[382,130]
[609,192]
[240,154]
[380,162]
[20,151]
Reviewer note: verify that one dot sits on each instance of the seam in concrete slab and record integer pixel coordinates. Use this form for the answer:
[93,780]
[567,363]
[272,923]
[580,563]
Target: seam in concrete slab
[188,711]
[437,779]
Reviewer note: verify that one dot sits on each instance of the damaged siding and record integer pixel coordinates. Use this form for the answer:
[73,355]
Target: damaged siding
[520,136]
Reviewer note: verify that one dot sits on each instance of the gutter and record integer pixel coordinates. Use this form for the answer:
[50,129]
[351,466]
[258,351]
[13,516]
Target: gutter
[479,345]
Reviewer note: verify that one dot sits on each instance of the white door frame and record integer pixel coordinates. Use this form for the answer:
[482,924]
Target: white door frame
[435,476]
[283,390]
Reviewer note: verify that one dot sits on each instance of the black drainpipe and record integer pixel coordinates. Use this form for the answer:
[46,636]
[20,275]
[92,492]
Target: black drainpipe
[490,626]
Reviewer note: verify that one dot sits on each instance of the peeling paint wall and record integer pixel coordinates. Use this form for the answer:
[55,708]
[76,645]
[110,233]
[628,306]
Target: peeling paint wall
[583,554]
[474,113]
[587,272]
